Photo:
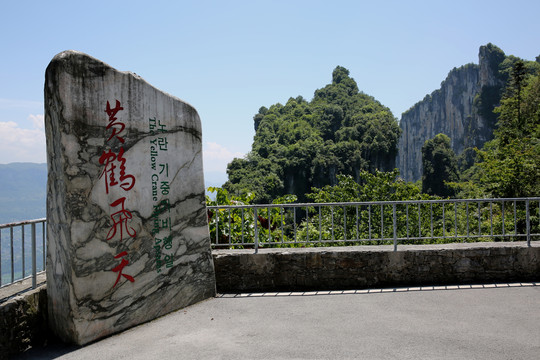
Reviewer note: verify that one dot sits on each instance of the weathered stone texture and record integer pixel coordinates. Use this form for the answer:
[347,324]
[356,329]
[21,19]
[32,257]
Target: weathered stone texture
[365,267]
[127,227]
[23,323]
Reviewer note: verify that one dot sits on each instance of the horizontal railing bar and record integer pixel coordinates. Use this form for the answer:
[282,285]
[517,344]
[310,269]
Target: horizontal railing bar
[400,202]
[372,239]
[25,222]
[389,243]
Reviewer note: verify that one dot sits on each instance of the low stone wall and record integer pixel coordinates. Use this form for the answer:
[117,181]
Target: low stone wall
[339,268]
[23,322]
[23,319]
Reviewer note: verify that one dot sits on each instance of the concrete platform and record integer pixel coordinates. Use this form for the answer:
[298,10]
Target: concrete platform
[21,287]
[493,321]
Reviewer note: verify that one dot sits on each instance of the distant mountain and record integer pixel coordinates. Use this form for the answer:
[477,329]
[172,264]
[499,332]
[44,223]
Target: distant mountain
[462,109]
[23,191]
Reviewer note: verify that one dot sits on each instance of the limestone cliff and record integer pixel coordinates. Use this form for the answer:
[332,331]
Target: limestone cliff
[462,109]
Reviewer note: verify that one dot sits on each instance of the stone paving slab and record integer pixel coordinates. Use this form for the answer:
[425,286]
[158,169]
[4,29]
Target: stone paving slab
[484,321]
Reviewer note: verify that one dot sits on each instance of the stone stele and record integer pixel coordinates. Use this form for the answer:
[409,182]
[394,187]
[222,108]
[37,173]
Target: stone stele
[127,227]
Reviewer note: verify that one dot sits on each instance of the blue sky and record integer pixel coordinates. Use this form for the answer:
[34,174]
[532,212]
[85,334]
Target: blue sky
[229,58]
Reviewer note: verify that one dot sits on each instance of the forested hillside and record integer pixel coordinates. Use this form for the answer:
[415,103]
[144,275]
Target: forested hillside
[305,144]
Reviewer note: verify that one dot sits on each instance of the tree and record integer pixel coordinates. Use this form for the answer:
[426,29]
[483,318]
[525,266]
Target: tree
[329,222]
[439,166]
[303,143]
[510,162]
[378,186]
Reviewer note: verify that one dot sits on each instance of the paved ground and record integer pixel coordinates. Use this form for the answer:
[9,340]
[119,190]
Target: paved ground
[462,322]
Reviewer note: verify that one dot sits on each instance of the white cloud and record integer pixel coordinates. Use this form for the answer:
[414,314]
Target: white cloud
[38,121]
[22,145]
[216,157]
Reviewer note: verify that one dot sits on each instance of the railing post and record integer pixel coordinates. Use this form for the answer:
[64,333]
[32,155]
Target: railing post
[345,223]
[431,218]
[294,223]
[230,232]
[467,221]
[320,225]
[12,255]
[515,219]
[395,227]
[242,212]
[269,226]
[307,224]
[23,255]
[217,227]
[455,221]
[382,222]
[332,210]
[369,221]
[503,225]
[34,255]
[528,223]
[419,221]
[44,245]
[491,218]
[256,240]
[357,235]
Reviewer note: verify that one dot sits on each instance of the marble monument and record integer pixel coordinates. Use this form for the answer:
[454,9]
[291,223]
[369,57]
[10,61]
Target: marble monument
[127,229]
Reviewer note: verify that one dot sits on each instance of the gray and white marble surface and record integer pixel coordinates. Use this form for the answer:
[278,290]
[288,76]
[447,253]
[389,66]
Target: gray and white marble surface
[127,229]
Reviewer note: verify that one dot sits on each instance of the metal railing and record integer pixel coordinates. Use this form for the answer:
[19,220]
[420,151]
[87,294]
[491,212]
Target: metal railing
[389,222]
[22,255]
[318,224]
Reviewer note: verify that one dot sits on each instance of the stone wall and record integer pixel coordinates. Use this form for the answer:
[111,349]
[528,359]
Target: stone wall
[23,322]
[375,266]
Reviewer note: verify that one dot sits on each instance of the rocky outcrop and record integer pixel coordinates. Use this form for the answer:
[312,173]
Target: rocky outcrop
[461,109]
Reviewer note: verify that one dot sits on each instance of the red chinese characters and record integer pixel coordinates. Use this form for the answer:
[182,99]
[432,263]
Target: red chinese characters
[111,162]
[119,268]
[115,174]
[116,126]
[120,221]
